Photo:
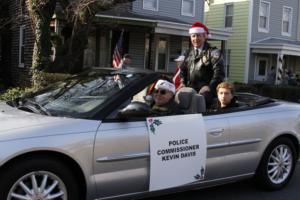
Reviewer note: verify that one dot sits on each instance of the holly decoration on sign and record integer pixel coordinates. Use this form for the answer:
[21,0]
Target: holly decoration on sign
[153,123]
[200,176]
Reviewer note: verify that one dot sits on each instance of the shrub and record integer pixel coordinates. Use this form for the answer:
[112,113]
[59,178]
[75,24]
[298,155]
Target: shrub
[13,93]
[43,79]
[288,93]
[40,79]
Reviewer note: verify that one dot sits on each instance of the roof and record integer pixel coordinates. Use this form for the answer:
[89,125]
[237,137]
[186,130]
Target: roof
[276,45]
[277,41]
[160,24]
[126,13]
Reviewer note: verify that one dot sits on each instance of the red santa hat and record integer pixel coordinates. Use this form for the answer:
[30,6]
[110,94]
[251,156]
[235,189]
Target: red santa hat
[198,27]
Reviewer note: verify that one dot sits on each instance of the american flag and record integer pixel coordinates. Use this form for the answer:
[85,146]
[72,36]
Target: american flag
[118,52]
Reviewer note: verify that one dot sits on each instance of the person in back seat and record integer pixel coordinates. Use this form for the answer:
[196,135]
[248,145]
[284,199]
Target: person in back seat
[226,98]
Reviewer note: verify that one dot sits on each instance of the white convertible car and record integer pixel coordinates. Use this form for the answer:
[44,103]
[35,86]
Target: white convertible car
[69,141]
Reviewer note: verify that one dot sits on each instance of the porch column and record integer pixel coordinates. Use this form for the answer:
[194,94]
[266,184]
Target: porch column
[223,46]
[279,69]
[97,54]
[151,40]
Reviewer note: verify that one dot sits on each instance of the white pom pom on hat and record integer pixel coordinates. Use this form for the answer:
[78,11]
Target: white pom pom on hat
[165,85]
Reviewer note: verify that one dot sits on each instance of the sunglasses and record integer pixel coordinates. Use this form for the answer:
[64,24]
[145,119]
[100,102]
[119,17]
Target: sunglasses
[161,92]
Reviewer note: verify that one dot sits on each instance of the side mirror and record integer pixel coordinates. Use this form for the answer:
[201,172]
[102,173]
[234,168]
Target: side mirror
[135,109]
[148,99]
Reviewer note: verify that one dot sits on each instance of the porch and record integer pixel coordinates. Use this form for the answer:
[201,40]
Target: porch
[152,41]
[282,55]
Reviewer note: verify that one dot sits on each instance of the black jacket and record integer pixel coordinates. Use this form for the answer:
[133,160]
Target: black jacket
[170,109]
[217,106]
[204,69]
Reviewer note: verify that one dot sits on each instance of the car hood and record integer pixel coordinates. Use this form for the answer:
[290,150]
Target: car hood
[16,123]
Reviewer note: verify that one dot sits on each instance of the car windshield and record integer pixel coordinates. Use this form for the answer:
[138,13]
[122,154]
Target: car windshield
[79,95]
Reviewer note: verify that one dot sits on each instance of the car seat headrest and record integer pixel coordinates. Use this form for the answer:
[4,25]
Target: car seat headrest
[184,96]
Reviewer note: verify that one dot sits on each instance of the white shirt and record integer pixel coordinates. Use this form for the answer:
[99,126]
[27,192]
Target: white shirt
[198,49]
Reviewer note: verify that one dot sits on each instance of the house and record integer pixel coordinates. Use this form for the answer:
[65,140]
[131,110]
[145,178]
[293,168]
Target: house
[4,45]
[17,47]
[265,34]
[154,32]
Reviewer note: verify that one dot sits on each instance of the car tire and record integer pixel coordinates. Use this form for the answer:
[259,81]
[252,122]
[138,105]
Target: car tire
[277,165]
[38,178]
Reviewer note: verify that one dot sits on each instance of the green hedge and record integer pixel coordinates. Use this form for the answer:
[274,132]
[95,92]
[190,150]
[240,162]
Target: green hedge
[42,80]
[288,93]
[12,93]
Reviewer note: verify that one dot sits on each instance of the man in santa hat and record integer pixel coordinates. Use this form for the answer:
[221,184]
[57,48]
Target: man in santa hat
[203,68]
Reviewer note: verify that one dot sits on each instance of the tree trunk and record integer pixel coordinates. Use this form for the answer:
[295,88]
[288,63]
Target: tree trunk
[77,44]
[41,12]
[42,45]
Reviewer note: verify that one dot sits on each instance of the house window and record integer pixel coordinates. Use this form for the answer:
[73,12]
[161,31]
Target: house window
[150,5]
[21,46]
[185,45]
[162,54]
[264,16]
[228,15]
[261,69]
[188,8]
[287,21]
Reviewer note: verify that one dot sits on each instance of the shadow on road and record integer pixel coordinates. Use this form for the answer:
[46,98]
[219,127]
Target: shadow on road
[245,190]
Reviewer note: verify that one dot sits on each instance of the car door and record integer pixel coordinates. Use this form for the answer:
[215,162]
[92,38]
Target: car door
[121,158]
[247,132]
[121,151]
[217,146]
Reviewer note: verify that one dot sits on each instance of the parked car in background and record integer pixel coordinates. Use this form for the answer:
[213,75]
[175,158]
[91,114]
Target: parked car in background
[68,141]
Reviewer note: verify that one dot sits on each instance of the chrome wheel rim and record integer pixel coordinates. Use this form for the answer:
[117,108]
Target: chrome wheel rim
[38,185]
[280,164]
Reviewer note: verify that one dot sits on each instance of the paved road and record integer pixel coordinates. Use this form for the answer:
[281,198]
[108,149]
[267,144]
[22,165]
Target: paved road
[241,191]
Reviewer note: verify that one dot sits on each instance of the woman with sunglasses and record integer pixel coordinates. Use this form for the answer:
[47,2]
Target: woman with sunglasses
[164,103]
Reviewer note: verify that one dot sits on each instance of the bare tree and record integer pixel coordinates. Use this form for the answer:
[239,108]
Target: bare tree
[80,14]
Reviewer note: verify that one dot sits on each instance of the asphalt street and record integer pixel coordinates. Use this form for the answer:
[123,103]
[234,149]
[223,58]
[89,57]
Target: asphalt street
[244,190]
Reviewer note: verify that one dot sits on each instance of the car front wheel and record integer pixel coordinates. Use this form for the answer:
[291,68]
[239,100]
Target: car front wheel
[38,179]
[277,164]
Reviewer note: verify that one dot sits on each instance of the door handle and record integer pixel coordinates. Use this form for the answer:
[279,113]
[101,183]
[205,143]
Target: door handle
[216,132]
